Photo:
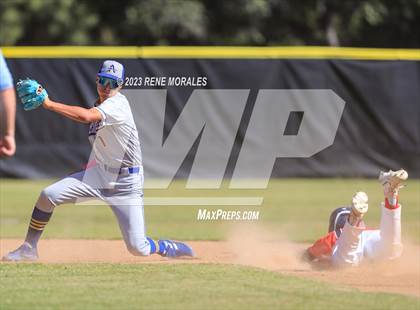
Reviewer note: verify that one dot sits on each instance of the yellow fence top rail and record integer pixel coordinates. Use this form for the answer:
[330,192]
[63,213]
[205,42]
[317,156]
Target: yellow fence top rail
[210,52]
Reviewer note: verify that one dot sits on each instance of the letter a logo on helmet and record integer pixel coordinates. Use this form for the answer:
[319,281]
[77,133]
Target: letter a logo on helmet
[112,69]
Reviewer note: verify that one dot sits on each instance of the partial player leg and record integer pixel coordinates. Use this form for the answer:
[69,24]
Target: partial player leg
[385,243]
[130,215]
[348,250]
[126,201]
[67,190]
[390,245]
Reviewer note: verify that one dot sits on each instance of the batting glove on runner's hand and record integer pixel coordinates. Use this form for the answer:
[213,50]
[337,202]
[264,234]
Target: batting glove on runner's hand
[31,94]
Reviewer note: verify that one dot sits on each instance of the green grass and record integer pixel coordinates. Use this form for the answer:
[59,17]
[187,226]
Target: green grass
[299,207]
[179,286]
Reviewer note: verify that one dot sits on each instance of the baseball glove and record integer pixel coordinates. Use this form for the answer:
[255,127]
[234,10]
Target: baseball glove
[31,94]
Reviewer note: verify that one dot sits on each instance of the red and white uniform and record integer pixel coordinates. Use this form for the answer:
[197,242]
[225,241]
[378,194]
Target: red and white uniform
[357,244]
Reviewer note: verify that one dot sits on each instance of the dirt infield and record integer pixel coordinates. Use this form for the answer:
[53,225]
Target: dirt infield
[398,277]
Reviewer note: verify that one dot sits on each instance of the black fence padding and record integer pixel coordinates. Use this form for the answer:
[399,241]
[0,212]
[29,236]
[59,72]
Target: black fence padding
[379,128]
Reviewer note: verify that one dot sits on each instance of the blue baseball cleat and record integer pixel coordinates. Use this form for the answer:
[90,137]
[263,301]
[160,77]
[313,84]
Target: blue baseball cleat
[169,248]
[23,253]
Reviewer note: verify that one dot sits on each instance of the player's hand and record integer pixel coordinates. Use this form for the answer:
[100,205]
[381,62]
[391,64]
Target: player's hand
[31,94]
[7,146]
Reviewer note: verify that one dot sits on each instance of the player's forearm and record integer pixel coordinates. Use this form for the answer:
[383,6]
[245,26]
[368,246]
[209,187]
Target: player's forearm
[8,107]
[75,113]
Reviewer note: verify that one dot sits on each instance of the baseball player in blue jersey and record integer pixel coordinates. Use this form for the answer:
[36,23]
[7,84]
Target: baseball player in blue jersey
[116,175]
[8,110]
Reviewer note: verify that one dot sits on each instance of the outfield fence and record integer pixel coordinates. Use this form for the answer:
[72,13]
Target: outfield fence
[378,127]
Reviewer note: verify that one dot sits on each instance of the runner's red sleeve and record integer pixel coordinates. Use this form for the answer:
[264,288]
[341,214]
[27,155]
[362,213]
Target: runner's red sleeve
[323,246]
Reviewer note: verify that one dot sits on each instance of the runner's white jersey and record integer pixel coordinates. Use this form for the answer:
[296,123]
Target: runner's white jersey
[115,140]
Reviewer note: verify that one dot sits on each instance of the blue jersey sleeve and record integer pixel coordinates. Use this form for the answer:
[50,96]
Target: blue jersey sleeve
[6,80]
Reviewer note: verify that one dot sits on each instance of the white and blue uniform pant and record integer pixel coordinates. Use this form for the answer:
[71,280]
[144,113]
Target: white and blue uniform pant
[358,244]
[124,194]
